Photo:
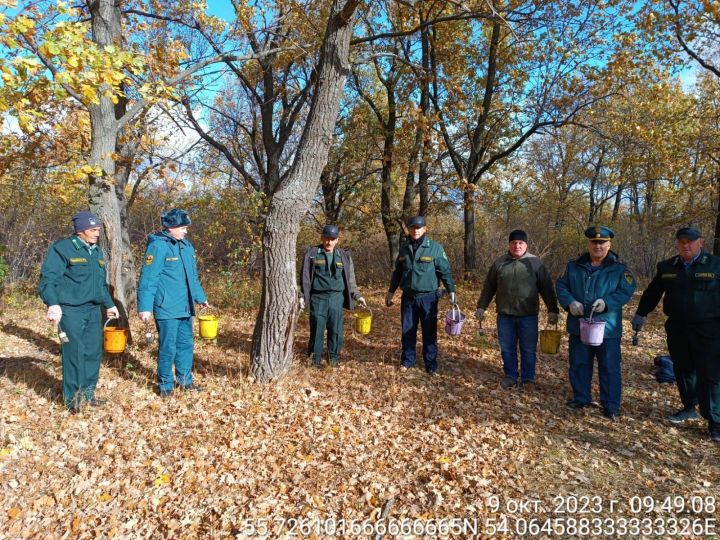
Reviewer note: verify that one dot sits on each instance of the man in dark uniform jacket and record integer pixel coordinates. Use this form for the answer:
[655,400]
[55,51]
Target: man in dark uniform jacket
[73,285]
[419,268]
[690,283]
[327,286]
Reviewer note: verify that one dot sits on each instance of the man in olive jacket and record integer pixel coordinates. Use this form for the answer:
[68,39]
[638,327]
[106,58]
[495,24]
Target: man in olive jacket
[419,268]
[690,284]
[327,286]
[517,280]
[73,285]
[169,288]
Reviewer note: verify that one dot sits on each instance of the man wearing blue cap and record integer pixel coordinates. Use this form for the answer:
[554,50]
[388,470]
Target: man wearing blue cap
[73,285]
[328,285]
[169,288]
[596,283]
[419,268]
[689,284]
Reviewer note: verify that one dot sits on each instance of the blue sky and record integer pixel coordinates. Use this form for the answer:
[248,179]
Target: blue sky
[221,8]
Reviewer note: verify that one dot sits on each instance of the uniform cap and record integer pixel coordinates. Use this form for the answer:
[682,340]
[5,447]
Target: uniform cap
[599,233]
[82,221]
[330,231]
[175,218]
[691,233]
[416,221]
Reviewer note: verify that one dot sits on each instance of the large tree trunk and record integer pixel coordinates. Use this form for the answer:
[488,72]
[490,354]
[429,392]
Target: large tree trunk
[107,190]
[469,244]
[272,349]
[272,344]
[423,174]
[386,183]
[716,242]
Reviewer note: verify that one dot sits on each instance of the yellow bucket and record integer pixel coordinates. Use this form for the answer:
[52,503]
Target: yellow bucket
[363,321]
[208,326]
[114,338]
[550,341]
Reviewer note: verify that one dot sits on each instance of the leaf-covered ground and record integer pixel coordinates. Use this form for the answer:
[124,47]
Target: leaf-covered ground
[355,443]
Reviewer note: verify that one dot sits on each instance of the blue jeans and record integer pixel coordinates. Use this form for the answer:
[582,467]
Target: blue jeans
[581,371]
[423,310]
[175,338]
[514,330]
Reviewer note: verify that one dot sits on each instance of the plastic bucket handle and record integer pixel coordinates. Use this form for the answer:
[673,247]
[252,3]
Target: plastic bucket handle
[114,338]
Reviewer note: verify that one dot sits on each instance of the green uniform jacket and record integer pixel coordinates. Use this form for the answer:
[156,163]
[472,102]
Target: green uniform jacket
[169,284]
[421,272]
[692,295]
[73,276]
[517,285]
[307,273]
[612,282]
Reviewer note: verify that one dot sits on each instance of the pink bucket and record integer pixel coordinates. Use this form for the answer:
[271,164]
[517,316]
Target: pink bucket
[454,320]
[592,332]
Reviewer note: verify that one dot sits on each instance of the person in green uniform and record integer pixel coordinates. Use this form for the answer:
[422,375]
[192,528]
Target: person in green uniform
[690,285]
[73,285]
[420,266]
[327,286]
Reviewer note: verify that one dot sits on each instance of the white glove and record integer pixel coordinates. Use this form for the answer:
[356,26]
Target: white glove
[453,298]
[389,299]
[577,309]
[479,314]
[301,303]
[599,305]
[145,316]
[362,302]
[552,318]
[113,313]
[54,313]
[205,305]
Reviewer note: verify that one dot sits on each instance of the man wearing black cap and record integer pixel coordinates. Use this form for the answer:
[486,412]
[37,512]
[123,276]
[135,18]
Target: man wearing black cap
[169,288]
[517,280]
[690,283]
[596,284]
[419,268]
[328,285]
[73,285]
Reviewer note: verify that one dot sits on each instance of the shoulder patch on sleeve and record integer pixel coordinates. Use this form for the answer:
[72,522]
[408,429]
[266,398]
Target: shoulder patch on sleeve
[629,278]
[149,260]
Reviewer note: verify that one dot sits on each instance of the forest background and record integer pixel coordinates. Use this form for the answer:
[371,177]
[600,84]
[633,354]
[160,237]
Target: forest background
[266,120]
[488,116]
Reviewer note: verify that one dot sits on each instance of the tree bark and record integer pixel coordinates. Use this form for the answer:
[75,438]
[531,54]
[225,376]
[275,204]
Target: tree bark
[271,354]
[107,191]
[469,244]
[423,173]
[716,242]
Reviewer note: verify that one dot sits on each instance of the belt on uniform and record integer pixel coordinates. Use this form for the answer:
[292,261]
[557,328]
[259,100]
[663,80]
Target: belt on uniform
[414,295]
